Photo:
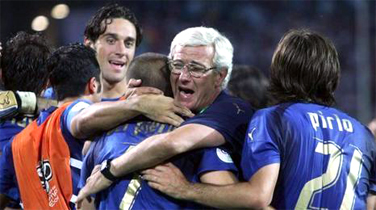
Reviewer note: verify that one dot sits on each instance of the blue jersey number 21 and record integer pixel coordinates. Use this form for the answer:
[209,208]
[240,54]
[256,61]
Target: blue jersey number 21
[331,176]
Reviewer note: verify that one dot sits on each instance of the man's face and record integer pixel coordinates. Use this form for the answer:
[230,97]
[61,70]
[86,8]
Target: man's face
[115,50]
[195,93]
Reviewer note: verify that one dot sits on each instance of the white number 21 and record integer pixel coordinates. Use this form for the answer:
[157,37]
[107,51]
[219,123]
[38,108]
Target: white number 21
[331,176]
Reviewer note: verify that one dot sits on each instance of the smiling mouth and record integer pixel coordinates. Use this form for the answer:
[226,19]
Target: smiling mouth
[118,64]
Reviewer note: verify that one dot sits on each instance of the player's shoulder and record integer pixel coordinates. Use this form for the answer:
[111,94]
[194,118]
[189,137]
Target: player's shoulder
[228,103]
[271,112]
[80,102]
[77,106]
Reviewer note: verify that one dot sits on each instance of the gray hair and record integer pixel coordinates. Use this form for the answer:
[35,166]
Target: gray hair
[203,36]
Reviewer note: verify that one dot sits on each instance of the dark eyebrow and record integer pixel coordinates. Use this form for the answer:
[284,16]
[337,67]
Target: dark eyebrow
[111,35]
[115,36]
[130,39]
[197,63]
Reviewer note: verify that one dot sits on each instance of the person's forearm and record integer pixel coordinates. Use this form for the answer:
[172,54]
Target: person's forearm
[104,116]
[239,195]
[148,153]
[156,149]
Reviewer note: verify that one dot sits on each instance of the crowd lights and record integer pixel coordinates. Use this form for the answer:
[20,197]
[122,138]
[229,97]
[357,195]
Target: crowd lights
[60,11]
[40,23]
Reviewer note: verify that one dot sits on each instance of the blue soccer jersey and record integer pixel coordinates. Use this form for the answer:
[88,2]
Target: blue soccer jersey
[132,192]
[75,145]
[327,159]
[230,117]
[8,183]
[8,129]
[11,127]
[192,164]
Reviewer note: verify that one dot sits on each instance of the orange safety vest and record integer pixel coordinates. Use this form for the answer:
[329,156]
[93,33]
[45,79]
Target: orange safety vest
[41,159]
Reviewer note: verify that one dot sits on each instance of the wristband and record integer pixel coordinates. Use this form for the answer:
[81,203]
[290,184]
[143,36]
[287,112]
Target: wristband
[28,102]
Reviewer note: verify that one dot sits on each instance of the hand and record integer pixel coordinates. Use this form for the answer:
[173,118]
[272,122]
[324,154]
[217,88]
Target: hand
[168,179]
[134,89]
[163,109]
[95,183]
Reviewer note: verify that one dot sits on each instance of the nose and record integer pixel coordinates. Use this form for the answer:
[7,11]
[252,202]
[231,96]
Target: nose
[185,75]
[121,49]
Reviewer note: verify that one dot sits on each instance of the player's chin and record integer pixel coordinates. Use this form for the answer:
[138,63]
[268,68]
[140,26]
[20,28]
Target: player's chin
[113,79]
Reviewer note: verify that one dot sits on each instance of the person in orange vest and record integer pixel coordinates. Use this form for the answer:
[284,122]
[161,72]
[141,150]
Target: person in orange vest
[22,69]
[46,156]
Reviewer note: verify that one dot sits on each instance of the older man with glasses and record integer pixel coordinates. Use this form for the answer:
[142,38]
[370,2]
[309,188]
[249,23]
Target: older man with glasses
[201,63]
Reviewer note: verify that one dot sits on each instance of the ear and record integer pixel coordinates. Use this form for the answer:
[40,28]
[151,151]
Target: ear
[88,42]
[221,75]
[92,86]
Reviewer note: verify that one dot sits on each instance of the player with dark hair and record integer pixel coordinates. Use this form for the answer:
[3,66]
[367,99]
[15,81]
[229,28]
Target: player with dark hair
[114,32]
[250,84]
[130,191]
[65,79]
[22,69]
[46,155]
[301,153]
[22,63]
[97,25]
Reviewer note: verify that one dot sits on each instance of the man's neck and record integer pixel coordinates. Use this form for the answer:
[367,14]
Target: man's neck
[71,99]
[212,99]
[114,90]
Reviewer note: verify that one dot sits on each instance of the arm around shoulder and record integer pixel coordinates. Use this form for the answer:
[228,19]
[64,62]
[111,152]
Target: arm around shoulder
[256,193]
[156,149]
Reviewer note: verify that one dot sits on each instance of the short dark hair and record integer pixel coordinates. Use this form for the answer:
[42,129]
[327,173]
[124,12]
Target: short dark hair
[152,69]
[71,68]
[23,62]
[250,84]
[94,27]
[305,67]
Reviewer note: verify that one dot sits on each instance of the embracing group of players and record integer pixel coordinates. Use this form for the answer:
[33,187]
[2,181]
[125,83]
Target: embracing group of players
[162,132]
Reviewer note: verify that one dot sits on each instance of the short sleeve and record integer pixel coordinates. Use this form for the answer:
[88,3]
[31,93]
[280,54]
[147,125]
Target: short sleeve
[216,159]
[261,143]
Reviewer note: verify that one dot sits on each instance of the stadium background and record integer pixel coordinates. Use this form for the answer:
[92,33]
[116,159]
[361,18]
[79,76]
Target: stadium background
[253,27]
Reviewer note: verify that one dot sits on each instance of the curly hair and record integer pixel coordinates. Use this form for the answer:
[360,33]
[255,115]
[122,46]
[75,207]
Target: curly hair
[104,15]
[23,62]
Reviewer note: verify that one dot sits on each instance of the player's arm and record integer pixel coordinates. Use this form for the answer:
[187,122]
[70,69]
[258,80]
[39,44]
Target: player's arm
[152,151]
[256,193]
[218,178]
[156,149]
[107,115]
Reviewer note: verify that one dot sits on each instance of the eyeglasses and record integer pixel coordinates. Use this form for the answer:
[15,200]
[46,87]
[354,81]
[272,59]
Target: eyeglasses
[194,69]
